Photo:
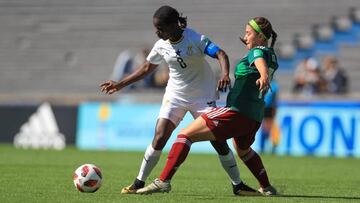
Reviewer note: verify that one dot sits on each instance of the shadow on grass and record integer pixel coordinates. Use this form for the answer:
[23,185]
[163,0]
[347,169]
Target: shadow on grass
[199,196]
[318,197]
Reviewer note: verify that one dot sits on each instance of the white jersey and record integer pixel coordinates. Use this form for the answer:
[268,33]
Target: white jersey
[190,77]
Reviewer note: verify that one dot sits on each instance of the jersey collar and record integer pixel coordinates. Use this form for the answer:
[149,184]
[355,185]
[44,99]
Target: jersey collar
[178,41]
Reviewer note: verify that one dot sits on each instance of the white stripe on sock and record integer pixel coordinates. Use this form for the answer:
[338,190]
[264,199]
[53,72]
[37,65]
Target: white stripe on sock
[183,140]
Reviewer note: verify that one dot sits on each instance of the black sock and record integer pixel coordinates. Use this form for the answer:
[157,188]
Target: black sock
[138,184]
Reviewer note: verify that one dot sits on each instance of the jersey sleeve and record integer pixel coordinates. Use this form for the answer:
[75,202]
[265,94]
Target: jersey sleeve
[255,54]
[210,48]
[205,44]
[154,56]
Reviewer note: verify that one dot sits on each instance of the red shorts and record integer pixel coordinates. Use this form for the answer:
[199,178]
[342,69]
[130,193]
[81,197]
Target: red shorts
[225,123]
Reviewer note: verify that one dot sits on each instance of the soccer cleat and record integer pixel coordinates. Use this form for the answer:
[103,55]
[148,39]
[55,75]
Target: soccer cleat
[155,187]
[131,189]
[268,191]
[244,190]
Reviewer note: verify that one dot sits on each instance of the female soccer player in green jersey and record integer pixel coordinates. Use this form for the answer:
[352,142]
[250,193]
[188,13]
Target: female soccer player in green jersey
[242,116]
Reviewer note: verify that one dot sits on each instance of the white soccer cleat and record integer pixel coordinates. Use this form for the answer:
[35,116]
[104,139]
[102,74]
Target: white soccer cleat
[268,191]
[157,186]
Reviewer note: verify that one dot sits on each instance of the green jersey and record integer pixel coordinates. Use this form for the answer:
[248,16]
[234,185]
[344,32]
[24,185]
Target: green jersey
[245,96]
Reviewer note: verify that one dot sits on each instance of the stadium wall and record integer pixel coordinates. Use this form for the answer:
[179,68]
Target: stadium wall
[305,128]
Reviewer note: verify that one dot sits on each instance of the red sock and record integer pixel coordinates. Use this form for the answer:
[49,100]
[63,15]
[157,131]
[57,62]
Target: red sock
[253,161]
[177,155]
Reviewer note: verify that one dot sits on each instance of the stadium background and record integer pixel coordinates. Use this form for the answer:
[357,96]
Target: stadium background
[60,51]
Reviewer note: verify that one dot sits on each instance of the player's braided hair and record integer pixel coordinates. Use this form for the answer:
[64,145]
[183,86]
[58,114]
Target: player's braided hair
[168,15]
[266,29]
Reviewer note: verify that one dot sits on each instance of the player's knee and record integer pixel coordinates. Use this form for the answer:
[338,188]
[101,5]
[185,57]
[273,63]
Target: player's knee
[243,152]
[160,140]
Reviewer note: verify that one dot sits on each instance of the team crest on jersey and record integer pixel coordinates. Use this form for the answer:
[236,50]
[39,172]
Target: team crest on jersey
[189,50]
[257,53]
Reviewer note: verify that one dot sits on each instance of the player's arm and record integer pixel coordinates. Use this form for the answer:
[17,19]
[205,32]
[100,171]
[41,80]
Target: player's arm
[263,81]
[111,86]
[224,64]
[214,51]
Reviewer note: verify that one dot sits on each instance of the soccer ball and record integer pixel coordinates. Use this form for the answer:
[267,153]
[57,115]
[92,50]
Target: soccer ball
[87,178]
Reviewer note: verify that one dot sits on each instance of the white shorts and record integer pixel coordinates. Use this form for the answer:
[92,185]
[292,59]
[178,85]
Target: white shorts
[175,111]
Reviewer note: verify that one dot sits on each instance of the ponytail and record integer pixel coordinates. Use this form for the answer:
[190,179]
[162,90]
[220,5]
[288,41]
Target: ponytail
[182,21]
[273,38]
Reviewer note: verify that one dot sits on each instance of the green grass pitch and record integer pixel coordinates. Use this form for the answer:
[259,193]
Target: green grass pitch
[46,176]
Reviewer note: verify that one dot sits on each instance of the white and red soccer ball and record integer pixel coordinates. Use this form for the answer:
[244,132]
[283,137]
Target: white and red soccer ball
[87,178]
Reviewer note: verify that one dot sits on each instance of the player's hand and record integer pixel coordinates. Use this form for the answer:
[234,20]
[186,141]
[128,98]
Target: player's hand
[264,84]
[109,87]
[223,83]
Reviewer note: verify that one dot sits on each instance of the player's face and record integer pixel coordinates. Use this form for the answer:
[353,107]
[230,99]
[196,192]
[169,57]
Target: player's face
[252,38]
[163,31]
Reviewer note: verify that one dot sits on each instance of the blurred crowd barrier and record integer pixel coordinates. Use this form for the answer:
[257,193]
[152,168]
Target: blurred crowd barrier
[317,128]
[303,128]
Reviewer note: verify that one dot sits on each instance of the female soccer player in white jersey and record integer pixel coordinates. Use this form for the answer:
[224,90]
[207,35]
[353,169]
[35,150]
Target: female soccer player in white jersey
[191,87]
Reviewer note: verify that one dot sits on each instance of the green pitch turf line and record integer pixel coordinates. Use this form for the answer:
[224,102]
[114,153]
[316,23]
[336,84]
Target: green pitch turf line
[46,176]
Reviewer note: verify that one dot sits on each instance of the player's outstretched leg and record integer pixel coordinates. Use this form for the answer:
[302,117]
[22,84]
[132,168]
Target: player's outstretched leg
[164,129]
[151,158]
[177,155]
[253,161]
